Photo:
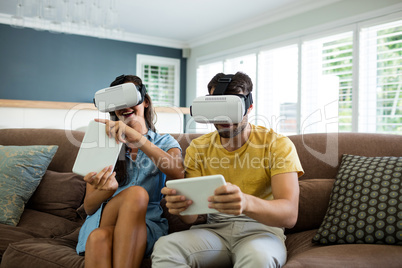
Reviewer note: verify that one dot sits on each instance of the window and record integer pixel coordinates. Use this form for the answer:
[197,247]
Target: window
[326,90]
[205,74]
[276,96]
[161,76]
[380,103]
[349,80]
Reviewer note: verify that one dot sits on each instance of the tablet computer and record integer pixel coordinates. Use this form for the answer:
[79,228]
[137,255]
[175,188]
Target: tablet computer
[197,189]
[97,150]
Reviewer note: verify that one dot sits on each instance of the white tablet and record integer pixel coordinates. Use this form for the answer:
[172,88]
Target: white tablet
[197,189]
[97,150]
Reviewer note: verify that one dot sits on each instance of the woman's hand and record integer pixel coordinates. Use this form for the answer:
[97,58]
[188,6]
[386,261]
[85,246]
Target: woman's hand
[122,133]
[104,180]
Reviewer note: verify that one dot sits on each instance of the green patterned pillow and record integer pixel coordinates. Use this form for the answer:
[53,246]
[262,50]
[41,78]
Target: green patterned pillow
[21,170]
[365,204]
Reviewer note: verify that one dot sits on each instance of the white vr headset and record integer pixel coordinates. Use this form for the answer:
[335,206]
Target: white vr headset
[220,108]
[119,97]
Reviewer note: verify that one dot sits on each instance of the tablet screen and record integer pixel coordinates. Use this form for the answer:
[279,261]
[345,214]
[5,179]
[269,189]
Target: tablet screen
[197,189]
[97,150]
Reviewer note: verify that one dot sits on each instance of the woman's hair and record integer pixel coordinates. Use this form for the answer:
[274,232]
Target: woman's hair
[149,115]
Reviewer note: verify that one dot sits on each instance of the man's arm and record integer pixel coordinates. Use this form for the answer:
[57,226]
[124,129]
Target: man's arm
[280,212]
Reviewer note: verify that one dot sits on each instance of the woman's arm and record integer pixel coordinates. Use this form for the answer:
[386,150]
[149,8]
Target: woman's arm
[170,162]
[99,188]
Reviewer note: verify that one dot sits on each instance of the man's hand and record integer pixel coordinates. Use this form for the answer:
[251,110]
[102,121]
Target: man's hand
[175,203]
[228,199]
[104,180]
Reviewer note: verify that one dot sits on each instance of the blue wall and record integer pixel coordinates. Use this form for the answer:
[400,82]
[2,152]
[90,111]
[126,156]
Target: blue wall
[39,65]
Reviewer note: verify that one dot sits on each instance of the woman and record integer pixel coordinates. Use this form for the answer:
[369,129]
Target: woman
[124,206]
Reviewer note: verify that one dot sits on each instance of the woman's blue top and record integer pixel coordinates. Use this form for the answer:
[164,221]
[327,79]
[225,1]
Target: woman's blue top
[142,172]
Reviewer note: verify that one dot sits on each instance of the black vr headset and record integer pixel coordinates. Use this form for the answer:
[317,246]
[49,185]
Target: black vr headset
[219,108]
[122,95]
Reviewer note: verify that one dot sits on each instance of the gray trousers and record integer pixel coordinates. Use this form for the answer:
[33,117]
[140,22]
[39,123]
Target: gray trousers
[229,244]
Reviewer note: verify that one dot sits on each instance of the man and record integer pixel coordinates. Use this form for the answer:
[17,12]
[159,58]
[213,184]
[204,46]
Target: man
[260,198]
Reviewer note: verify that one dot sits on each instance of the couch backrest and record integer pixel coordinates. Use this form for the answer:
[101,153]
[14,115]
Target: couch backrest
[68,142]
[185,140]
[320,154]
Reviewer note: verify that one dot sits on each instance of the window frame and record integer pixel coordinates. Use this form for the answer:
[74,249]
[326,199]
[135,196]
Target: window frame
[161,61]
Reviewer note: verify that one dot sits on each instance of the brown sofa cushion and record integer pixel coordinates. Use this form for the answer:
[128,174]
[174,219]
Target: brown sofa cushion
[10,234]
[42,224]
[59,194]
[348,256]
[313,203]
[42,252]
[320,153]
[35,224]
[46,252]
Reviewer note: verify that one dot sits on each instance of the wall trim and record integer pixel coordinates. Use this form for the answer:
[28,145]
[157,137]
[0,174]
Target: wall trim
[75,106]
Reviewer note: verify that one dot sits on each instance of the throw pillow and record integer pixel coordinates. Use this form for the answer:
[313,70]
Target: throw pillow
[59,194]
[21,170]
[365,204]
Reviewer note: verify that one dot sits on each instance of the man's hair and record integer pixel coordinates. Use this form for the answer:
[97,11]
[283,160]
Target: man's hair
[241,83]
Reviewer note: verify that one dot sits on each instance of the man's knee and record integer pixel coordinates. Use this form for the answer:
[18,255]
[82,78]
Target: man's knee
[264,250]
[168,252]
[260,258]
[165,244]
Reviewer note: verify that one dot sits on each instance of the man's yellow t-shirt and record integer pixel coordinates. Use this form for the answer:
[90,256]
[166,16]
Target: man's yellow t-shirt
[250,167]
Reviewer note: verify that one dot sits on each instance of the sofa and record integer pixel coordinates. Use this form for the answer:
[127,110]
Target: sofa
[47,231]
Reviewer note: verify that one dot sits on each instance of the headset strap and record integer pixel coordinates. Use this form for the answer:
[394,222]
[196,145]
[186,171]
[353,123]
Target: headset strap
[248,101]
[223,83]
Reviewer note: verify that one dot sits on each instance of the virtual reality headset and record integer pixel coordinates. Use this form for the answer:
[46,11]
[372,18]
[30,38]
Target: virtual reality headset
[119,97]
[220,108]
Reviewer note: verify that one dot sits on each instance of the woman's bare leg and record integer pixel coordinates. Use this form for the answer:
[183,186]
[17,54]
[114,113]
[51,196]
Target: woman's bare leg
[98,250]
[126,212]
